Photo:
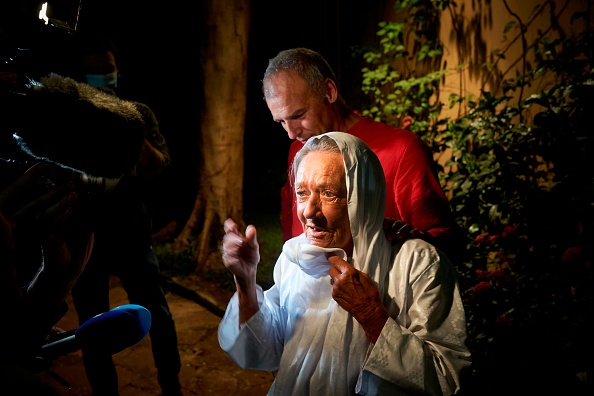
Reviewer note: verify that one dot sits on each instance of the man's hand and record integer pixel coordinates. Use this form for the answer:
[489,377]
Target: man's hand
[396,230]
[358,294]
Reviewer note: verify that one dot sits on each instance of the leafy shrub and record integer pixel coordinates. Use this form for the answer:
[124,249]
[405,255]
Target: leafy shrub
[521,182]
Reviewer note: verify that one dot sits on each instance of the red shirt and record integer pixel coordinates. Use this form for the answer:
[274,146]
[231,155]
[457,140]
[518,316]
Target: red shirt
[413,191]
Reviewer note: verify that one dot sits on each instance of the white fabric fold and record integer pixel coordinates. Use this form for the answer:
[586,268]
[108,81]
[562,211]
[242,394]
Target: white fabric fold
[313,260]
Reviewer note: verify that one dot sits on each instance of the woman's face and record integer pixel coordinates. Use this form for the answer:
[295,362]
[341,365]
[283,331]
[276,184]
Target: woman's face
[322,207]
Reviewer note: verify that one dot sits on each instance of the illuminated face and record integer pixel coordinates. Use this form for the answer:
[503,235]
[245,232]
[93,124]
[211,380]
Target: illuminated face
[322,206]
[296,107]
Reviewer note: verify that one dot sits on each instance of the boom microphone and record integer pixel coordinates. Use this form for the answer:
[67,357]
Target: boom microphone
[109,332]
[74,125]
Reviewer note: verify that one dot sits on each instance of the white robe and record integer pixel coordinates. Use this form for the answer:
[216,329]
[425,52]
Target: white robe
[320,349]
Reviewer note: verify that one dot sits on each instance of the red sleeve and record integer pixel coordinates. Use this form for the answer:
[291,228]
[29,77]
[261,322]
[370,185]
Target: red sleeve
[421,201]
[419,196]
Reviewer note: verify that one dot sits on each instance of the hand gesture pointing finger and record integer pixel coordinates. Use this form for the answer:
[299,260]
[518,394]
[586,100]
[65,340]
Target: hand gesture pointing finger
[241,254]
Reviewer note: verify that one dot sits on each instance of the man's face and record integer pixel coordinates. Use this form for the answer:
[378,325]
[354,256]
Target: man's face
[322,206]
[100,70]
[95,63]
[296,107]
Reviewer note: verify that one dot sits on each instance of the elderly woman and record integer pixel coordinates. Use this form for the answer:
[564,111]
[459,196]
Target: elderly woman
[349,313]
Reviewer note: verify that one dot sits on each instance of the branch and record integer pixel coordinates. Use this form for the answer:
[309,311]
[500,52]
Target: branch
[523,35]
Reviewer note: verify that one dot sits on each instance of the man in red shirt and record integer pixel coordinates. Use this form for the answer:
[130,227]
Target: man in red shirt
[302,95]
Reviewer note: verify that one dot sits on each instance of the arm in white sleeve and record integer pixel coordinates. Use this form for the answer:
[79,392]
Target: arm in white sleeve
[422,346]
[255,344]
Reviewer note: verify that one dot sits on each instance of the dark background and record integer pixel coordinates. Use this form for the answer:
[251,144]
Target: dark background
[158,46]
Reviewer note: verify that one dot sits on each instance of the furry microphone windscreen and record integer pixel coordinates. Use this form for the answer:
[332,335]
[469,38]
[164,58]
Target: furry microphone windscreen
[81,127]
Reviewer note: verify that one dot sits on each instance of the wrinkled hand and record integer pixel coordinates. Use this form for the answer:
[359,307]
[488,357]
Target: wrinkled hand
[358,294]
[396,230]
[241,254]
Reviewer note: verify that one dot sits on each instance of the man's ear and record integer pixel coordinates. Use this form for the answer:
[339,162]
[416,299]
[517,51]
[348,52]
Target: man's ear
[331,90]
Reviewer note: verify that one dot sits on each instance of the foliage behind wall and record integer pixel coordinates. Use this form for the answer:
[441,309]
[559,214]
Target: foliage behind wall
[521,181]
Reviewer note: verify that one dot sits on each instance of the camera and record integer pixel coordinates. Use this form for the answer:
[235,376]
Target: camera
[88,187]
[81,133]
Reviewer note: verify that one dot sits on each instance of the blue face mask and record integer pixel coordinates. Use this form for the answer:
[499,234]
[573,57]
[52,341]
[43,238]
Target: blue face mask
[103,80]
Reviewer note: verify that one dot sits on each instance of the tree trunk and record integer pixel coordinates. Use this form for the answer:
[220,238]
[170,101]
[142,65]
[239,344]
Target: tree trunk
[223,61]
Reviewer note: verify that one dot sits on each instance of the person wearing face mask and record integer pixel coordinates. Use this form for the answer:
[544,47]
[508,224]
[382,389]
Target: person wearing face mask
[104,80]
[123,245]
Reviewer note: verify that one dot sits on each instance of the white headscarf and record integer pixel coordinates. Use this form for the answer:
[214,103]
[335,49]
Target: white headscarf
[345,342]
[366,193]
